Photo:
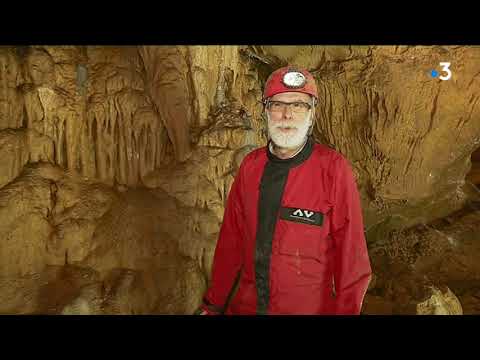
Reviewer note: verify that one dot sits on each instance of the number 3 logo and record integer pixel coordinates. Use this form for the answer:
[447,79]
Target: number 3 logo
[445,68]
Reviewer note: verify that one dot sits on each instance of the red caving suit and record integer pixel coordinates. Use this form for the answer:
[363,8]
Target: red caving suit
[294,229]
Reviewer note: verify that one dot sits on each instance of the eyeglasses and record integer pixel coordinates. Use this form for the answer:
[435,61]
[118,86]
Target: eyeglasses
[298,107]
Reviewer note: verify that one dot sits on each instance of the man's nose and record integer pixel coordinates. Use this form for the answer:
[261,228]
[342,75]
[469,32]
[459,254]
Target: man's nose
[287,113]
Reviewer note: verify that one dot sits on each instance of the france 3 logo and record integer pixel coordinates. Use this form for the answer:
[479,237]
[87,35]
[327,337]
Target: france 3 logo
[445,69]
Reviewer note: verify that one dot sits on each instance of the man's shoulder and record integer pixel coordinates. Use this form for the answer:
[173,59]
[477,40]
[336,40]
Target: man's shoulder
[333,160]
[328,152]
[255,154]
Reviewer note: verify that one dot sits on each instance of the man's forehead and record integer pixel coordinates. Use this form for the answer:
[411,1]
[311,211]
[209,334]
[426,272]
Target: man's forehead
[290,96]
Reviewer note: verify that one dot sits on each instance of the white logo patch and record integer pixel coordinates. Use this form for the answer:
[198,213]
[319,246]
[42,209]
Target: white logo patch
[302,216]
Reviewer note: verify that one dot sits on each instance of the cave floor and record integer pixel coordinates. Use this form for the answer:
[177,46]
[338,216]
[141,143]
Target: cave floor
[442,253]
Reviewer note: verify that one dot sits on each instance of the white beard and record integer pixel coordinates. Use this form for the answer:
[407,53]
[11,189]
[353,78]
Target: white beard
[292,139]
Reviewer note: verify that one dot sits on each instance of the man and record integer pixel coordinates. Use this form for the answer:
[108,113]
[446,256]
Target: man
[293,224]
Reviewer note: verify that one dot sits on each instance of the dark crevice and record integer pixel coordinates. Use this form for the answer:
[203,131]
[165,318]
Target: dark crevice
[474,175]
[24,117]
[64,150]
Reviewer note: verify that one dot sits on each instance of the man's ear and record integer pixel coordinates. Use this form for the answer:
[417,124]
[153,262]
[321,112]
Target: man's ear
[310,130]
[264,117]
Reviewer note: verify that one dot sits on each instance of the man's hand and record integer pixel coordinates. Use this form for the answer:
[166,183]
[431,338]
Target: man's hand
[205,310]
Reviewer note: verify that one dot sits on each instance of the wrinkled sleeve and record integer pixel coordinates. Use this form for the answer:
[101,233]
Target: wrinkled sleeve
[352,270]
[228,257]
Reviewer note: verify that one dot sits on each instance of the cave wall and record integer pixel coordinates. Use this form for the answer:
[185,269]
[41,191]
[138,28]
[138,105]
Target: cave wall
[117,113]
[408,136]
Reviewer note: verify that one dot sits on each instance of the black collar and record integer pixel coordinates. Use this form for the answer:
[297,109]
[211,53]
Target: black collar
[294,161]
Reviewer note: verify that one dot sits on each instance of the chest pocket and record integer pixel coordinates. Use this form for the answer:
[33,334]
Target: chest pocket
[304,234]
